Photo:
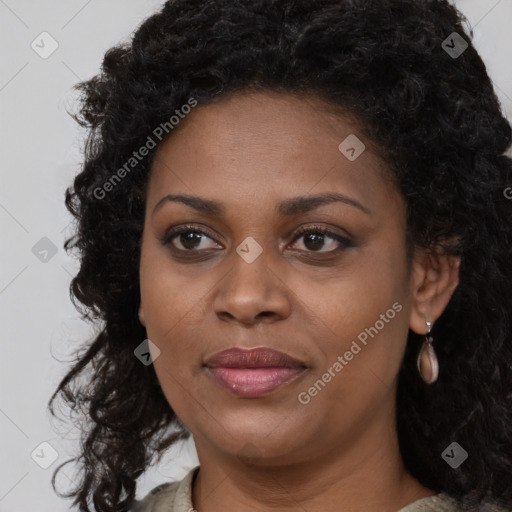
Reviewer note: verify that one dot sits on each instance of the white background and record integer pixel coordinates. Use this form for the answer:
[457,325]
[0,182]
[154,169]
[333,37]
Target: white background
[39,144]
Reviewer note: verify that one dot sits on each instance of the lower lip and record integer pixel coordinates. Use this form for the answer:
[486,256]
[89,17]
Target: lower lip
[254,382]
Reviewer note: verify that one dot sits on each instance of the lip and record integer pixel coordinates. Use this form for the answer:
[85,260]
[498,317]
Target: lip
[253,372]
[261,357]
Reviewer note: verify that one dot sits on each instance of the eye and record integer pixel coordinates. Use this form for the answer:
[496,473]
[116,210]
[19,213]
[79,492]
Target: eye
[319,237]
[190,239]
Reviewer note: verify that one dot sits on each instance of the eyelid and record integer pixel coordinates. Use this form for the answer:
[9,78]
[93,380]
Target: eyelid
[322,229]
[176,230]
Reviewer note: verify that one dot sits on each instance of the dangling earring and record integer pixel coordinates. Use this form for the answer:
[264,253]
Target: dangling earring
[427,363]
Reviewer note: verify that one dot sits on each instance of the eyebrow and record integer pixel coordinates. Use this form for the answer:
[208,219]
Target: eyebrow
[286,208]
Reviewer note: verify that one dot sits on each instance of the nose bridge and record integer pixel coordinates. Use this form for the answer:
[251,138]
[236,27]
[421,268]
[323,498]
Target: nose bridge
[252,286]
[251,265]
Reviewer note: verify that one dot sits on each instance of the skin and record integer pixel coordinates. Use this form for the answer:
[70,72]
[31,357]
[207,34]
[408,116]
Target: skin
[250,152]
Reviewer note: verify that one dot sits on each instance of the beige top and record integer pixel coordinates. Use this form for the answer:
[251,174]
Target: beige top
[177,497]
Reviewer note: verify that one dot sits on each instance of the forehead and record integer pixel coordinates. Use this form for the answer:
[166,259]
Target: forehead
[259,147]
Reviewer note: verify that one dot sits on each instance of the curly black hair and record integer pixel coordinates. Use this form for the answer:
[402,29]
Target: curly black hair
[439,127]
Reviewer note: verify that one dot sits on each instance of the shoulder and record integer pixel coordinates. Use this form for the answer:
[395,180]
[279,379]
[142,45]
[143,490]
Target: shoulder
[147,504]
[168,497]
[444,503]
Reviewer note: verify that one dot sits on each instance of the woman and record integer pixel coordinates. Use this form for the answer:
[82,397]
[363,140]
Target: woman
[294,235]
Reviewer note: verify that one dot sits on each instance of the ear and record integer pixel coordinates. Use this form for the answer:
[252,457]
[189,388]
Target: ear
[142,318]
[434,278]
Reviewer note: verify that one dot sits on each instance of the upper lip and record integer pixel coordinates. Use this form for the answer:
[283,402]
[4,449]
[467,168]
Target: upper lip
[261,357]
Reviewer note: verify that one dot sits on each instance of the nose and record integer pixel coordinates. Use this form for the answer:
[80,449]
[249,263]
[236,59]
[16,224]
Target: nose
[252,292]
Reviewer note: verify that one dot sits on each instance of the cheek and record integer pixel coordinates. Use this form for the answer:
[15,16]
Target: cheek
[168,294]
[365,311]
[175,300]
[353,298]
[361,356]
[168,308]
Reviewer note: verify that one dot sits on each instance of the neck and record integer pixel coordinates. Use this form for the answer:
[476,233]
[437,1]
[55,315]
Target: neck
[365,474]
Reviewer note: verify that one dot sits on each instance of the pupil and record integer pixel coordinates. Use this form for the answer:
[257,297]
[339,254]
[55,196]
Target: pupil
[318,239]
[190,237]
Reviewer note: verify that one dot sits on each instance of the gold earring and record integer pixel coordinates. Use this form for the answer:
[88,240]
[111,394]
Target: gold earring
[427,362]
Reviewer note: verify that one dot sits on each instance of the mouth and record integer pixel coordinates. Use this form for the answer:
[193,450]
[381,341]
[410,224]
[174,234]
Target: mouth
[255,372]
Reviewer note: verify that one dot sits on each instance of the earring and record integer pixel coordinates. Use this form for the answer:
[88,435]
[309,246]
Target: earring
[427,363]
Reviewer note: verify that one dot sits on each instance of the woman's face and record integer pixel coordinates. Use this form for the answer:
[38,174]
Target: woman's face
[341,308]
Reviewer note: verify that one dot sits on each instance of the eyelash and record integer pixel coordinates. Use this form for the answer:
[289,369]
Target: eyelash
[344,242]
